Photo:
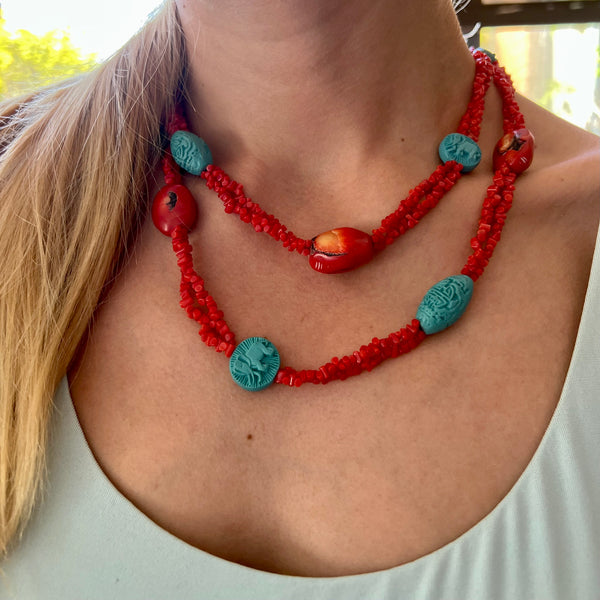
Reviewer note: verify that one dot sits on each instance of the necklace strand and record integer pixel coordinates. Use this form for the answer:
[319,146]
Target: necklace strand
[254,363]
[416,205]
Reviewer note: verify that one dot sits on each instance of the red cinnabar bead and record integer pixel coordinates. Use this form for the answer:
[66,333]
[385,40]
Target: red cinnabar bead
[174,205]
[515,150]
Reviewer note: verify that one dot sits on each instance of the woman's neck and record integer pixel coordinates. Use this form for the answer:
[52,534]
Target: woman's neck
[306,86]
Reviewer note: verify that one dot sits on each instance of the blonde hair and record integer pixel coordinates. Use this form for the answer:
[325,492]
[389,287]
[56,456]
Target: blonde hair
[74,164]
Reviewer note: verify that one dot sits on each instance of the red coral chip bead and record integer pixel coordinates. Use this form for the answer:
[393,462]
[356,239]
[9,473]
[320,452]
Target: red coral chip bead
[515,150]
[174,205]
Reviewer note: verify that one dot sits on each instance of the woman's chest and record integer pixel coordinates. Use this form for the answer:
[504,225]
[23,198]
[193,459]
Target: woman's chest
[350,477]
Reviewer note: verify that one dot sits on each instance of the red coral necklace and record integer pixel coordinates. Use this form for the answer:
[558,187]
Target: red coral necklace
[255,363]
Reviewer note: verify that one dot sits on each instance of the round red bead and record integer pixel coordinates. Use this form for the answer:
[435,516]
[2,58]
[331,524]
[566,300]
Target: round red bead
[515,150]
[174,205]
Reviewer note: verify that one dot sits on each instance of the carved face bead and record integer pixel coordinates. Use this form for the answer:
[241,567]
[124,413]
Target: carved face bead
[340,250]
[516,150]
[174,205]
[461,149]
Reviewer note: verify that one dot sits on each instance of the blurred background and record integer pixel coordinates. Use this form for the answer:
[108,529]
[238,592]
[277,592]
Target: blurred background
[551,49]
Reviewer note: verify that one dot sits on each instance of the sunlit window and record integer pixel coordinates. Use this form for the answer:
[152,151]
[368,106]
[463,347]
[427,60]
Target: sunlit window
[557,66]
[550,48]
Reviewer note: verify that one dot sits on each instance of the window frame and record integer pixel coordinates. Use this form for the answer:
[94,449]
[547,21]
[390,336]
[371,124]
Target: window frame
[530,13]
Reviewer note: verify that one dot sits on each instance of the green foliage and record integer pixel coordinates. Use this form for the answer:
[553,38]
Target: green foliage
[553,88]
[28,61]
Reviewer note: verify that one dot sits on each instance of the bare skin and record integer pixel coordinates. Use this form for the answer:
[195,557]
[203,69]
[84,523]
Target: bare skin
[386,467]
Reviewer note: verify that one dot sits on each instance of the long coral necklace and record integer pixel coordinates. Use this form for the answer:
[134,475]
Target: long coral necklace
[255,362]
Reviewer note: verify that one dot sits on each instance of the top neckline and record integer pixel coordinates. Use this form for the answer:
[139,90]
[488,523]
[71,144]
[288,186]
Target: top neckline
[197,556]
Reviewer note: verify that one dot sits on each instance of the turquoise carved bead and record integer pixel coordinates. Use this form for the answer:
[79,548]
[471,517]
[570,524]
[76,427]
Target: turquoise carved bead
[190,152]
[254,364]
[462,149]
[445,303]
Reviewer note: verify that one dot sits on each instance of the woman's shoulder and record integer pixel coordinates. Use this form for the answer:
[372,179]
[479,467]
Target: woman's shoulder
[556,133]
[564,148]
[564,182]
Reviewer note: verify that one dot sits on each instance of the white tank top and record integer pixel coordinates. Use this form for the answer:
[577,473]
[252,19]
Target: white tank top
[541,542]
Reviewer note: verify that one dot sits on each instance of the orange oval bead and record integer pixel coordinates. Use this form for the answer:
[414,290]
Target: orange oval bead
[516,150]
[340,250]
[174,205]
